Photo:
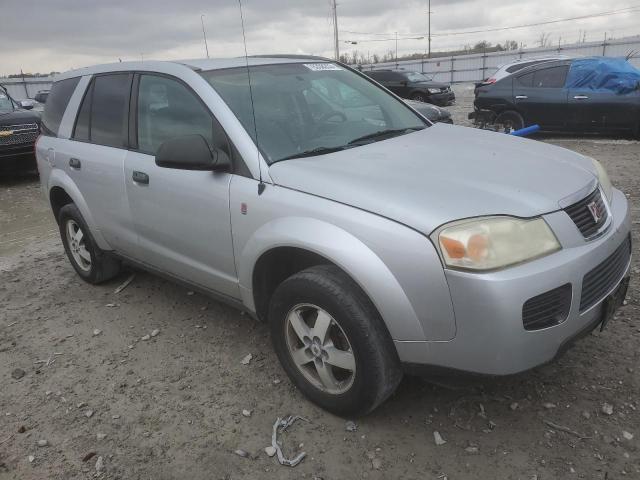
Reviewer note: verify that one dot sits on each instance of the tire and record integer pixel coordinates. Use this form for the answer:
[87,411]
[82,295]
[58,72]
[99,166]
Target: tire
[511,118]
[326,290]
[92,264]
[419,97]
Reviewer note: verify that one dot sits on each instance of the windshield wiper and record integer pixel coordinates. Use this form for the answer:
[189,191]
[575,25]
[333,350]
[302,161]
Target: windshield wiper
[313,152]
[384,133]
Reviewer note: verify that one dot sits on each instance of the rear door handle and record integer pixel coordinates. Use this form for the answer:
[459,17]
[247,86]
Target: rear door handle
[521,97]
[75,163]
[140,177]
[581,97]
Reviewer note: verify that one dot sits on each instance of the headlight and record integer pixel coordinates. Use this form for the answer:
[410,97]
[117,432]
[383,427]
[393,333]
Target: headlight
[492,243]
[603,179]
[433,90]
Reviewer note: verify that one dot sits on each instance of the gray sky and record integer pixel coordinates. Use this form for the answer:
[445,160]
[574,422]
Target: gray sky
[63,34]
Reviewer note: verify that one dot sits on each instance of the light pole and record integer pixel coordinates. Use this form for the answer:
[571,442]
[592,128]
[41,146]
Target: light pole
[429,28]
[336,45]
[204,34]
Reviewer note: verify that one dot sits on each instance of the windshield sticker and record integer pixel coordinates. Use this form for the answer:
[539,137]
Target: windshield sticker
[321,67]
[3,96]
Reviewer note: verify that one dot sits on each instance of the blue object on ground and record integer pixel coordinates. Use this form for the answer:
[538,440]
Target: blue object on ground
[523,132]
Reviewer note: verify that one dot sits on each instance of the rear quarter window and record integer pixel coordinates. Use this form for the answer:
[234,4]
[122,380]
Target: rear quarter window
[57,102]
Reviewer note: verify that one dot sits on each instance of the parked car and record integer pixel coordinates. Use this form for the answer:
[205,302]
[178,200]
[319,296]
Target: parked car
[414,86]
[19,129]
[372,241]
[515,66]
[433,113]
[41,96]
[580,95]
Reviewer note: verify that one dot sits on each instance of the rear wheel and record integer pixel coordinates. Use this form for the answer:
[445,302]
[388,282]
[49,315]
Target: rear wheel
[92,264]
[511,120]
[332,343]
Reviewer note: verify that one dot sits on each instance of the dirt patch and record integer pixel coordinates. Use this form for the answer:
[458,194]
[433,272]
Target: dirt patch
[172,406]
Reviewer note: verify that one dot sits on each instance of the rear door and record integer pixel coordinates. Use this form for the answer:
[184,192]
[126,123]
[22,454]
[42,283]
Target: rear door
[94,157]
[541,97]
[182,216]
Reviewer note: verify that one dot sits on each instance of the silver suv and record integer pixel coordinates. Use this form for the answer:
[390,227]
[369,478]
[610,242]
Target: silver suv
[370,240]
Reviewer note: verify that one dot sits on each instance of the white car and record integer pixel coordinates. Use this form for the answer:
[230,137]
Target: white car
[509,68]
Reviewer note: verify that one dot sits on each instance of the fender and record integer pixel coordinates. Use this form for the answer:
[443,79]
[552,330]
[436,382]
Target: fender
[348,253]
[59,178]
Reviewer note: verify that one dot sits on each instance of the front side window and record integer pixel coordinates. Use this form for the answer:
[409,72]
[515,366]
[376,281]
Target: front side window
[307,109]
[167,109]
[109,109]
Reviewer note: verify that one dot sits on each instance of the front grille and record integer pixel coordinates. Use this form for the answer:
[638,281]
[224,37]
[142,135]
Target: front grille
[548,309]
[599,281]
[582,215]
[23,133]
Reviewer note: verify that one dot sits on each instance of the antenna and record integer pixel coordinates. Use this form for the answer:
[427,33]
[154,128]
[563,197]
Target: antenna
[261,184]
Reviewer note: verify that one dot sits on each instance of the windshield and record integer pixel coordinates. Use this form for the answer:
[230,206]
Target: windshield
[417,77]
[6,105]
[311,109]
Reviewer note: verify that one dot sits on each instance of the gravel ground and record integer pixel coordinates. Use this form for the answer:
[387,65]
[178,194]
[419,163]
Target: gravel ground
[77,374]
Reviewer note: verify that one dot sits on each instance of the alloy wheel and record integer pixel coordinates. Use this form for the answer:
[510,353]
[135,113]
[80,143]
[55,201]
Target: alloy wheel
[77,246]
[320,348]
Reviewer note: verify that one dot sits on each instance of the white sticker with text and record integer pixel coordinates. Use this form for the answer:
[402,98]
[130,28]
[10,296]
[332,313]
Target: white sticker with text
[321,67]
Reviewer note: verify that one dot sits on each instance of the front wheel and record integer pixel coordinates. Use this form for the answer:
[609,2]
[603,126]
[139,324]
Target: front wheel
[332,342]
[419,97]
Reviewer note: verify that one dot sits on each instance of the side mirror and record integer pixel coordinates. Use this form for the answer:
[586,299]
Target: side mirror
[191,152]
[26,104]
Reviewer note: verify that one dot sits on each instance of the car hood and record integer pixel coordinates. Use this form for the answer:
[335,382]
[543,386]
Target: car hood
[443,173]
[18,116]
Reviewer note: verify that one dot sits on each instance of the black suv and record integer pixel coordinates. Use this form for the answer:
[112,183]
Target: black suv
[414,86]
[19,129]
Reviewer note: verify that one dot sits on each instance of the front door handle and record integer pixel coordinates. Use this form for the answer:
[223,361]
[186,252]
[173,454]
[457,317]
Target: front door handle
[581,97]
[521,97]
[75,163]
[140,177]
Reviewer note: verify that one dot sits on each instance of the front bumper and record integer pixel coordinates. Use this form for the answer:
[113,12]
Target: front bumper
[490,336]
[442,99]
[18,157]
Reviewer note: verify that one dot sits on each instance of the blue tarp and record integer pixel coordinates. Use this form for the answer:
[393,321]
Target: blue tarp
[604,74]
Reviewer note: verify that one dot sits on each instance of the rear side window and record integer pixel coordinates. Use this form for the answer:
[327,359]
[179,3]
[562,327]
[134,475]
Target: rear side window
[550,77]
[109,109]
[81,130]
[56,105]
[553,77]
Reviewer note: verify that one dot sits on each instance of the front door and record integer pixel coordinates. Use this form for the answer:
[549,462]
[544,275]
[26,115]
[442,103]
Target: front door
[181,216]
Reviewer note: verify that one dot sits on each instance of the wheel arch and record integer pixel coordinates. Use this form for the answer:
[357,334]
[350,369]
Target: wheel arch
[309,241]
[63,190]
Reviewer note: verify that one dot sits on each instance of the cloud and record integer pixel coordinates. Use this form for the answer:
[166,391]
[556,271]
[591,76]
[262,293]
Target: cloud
[63,34]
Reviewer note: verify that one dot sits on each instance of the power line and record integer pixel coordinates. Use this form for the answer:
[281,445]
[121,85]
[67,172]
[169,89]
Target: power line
[631,9]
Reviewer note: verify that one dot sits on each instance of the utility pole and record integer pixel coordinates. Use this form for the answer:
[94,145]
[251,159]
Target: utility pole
[429,33]
[204,34]
[396,49]
[336,45]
